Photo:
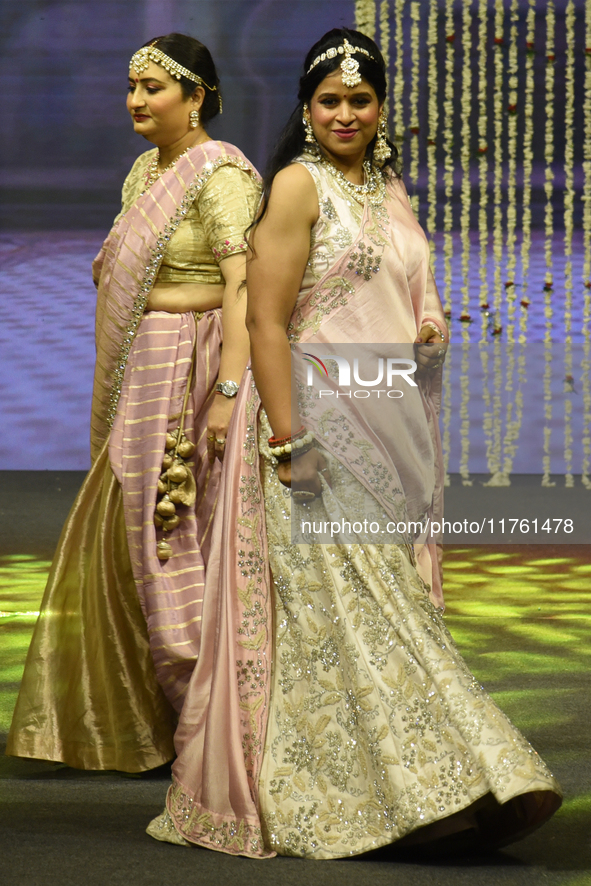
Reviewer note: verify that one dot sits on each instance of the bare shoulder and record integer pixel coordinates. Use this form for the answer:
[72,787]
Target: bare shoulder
[294,191]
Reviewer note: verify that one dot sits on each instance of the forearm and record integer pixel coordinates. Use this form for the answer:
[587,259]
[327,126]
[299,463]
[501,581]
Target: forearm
[235,347]
[271,366]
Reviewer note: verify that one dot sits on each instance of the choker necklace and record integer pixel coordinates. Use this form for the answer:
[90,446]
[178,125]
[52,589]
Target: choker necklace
[373,188]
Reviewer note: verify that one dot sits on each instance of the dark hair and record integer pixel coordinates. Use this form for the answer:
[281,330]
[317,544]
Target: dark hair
[192,54]
[292,141]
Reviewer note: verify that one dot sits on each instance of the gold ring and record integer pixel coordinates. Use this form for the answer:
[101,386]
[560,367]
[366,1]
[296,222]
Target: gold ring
[219,442]
[211,436]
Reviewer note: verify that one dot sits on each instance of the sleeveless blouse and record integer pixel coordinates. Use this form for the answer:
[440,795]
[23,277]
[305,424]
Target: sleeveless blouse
[338,223]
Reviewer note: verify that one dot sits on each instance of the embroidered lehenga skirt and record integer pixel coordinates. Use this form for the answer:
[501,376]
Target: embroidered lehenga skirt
[377,729]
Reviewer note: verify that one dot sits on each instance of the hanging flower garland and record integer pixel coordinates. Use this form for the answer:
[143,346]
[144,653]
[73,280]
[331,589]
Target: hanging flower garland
[514,407]
[448,162]
[495,323]
[499,41]
[385,34]
[433,122]
[512,110]
[528,155]
[549,236]
[465,203]
[586,199]
[569,117]
[465,152]
[483,161]
[413,172]
[399,73]
[483,214]
[365,17]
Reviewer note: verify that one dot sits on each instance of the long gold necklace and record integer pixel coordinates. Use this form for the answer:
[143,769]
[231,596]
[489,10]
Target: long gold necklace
[372,189]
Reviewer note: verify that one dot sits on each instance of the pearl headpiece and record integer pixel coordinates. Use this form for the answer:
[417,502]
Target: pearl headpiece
[141,59]
[349,65]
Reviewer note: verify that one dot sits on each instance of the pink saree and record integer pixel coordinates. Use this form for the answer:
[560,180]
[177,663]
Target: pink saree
[142,365]
[129,624]
[213,800]
[358,723]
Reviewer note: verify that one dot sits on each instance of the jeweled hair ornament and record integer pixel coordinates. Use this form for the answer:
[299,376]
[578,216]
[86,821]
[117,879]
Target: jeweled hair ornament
[141,59]
[349,65]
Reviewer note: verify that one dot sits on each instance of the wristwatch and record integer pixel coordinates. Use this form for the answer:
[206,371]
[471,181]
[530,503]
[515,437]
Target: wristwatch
[227,388]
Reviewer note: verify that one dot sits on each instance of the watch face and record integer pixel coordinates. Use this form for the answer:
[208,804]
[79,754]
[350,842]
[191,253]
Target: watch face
[229,388]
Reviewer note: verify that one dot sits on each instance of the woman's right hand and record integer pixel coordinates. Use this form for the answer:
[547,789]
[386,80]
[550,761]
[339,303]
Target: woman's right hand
[303,472]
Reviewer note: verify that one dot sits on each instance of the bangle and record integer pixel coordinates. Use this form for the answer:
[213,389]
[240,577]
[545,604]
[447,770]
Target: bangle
[293,453]
[293,448]
[282,441]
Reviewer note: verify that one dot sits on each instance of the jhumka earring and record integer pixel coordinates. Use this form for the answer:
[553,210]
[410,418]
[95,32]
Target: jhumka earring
[382,150]
[310,137]
[194,119]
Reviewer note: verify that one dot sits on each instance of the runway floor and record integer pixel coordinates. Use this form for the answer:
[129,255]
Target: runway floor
[522,618]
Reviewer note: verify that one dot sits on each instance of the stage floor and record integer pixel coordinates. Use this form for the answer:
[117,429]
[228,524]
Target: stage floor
[521,616]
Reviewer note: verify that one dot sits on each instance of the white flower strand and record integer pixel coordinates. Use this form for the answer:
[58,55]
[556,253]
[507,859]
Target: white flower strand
[365,17]
[483,161]
[385,34]
[398,86]
[465,203]
[512,168]
[527,166]
[415,55]
[483,213]
[528,138]
[433,118]
[569,118]
[549,236]
[586,200]
[514,408]
[448,161]
[494,449]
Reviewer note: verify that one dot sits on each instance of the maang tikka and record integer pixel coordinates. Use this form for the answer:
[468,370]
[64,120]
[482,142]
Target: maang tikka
[382,150]
[310,137]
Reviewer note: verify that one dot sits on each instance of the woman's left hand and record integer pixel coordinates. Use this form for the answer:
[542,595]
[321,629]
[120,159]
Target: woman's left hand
[430,350]
[304,471]
[218,420]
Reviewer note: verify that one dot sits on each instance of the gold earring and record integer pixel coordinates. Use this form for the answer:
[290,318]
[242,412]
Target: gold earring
[194,119]
[382,150]
[310,137]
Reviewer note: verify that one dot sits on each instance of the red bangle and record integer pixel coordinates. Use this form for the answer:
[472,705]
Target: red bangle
[281,441]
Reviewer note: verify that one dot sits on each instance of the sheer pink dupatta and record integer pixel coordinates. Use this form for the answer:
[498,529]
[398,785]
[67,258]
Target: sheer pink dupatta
[138,353]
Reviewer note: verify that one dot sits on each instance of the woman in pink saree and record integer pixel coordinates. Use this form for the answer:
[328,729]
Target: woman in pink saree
[330,712]
[120,623]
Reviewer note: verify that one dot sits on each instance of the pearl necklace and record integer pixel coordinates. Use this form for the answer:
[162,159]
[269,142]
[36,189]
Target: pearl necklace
[373,188]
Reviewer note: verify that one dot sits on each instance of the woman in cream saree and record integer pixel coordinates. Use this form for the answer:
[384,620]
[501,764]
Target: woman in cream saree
[330,712]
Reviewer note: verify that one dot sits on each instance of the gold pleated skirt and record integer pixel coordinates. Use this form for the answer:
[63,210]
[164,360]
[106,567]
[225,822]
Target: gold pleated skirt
[89,695]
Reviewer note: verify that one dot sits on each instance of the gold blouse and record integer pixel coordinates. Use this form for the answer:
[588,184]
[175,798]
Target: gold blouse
[213,227]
